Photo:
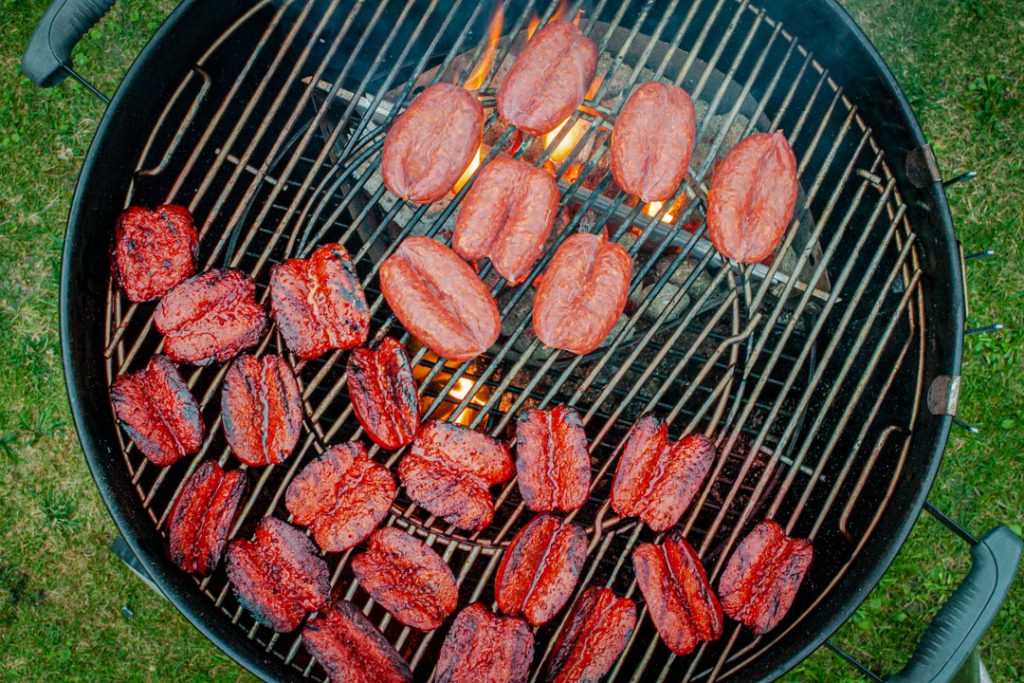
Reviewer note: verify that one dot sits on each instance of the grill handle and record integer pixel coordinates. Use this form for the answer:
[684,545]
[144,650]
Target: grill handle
[954,633]
[47,59]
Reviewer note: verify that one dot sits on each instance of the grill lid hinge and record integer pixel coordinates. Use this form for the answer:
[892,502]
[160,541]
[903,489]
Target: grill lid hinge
[922,167]
[943,395]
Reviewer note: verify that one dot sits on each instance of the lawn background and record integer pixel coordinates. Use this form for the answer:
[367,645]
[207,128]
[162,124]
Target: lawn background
[63,595]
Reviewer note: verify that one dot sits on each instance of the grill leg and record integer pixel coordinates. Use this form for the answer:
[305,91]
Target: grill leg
[973,671]
[123,551]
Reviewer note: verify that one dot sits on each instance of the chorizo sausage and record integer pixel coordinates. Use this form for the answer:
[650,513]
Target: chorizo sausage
[449,472]
[382,389]
[210,317]
[540,569]
[657,479]
[351,649]
[549,78]
[763,575]
[318,303]
[431,143]
[154,250]
[159,413]
[507,216]
[439,299]
[408,578]
[482,647]
[583,293]
[202,517]
[752,196]
[679,598]
[595,634]
[552,459]
[652,141]
[278,575]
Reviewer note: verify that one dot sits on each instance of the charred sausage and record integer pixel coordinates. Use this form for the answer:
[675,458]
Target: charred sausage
[549,78]
[154,250]
[261,406]
[583,293]
[408,578]
[210,317]
[439,299]
[341,496]
[431,143]
[652,141]
[679,598]
[763,575]
[318,303]
[657,479]
[752,196]
[540,569]
[507,216]
[552,460]
[158,412]
[278,575]
[351,649]
[595,634]
[383,393]
[482,647]
[202,517]
[449,471]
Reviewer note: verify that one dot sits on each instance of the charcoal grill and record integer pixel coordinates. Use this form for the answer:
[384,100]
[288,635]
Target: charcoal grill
[828,377]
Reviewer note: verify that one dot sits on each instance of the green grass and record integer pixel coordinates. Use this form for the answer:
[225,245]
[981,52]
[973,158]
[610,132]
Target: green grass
[62,592]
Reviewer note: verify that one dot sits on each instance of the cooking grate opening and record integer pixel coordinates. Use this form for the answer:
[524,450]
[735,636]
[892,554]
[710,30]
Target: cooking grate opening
[787,365]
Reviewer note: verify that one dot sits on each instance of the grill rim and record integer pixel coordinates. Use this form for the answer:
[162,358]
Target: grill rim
[82,362]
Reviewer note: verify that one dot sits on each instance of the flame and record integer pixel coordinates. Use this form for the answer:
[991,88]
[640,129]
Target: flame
[470,170]
[594,85]
[476,79]
[560,11]
[531,27]
[653,208]
[461,388]
[534,22]
[565,147]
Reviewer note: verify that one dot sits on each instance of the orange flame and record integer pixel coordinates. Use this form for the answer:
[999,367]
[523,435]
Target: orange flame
[563,5]
[594,86]
[461,388]
[531,27]
[565,147]
[476,79]
[653,208]
[470,170]
[559,12]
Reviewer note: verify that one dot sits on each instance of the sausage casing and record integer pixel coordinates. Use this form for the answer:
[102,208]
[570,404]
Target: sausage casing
[507,216]
[431,143]
[582,294]
[653,140]
[752,196]
[439,299]
[549,78]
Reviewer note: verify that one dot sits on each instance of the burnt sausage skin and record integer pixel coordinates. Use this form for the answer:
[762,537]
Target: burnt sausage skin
[431,143]
[439,299]
[549,78]
[653,140]
[507,216]
[752,196]
[582,294]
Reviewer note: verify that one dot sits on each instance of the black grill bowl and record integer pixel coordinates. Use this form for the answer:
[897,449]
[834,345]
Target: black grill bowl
[822,27]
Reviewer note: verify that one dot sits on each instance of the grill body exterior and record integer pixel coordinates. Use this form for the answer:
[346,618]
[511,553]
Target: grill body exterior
[119,169]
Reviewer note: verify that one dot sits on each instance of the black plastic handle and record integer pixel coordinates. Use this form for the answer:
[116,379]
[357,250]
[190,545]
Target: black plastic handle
[56,34]
[954,633]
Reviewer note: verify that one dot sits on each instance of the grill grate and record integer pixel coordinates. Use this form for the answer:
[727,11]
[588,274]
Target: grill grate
[787,366]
